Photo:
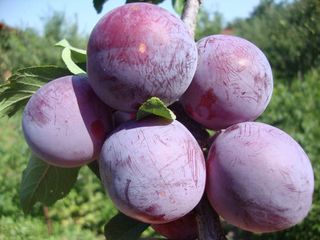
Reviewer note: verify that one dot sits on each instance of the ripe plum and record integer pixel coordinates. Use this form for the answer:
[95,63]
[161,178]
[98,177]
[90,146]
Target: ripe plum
[233,82]
[259,178]
[153,170]
[138,51]
[65,123]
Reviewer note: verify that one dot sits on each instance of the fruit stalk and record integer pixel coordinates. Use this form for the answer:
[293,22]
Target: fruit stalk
[209,225]
[189,14]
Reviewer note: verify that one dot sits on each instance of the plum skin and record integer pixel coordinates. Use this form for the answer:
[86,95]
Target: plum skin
[233,82]
[153,170]
[259,178]
[184,228]
[138,51]
[65,123]
[120,117]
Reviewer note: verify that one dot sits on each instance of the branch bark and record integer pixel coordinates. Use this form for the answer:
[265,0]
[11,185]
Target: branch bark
[208,221]
[189,14]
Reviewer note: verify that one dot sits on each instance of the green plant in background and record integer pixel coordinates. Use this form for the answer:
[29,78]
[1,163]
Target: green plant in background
[85,210]
[287,32]
[16,45]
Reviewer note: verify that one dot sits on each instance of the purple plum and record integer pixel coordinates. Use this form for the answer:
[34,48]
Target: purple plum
[233,82]
[138,51]
[153,170]
[65,123]
[259,178]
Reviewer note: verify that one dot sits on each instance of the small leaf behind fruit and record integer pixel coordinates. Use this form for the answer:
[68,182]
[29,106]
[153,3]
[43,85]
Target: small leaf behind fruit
[45,183]
[74,58]
[178,5]
[122,227]
[156,107]
[15,93]
[149,1]
[98,5]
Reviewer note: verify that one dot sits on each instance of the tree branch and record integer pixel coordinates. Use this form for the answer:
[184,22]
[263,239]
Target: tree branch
[189,14]
[208,221]
[209,225]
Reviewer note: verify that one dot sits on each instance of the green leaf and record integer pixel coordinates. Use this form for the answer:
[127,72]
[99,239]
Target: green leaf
[74,58]
[122,227]
[15,93]
[98,4]
[45,183]
[149,1]
[156,107]
[178,5]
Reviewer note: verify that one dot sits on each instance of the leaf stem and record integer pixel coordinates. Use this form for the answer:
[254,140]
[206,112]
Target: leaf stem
[48,219]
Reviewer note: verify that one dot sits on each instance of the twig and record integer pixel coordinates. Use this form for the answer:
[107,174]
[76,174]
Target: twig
[189,14]
[209,225]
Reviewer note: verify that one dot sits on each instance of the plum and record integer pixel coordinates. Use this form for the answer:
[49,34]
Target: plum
[120,117]
[259,178]
[233,82]
[65,123]
[153,170]
[184,228]
[138,51]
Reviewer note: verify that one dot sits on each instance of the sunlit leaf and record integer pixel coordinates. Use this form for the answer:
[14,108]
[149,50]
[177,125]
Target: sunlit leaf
[148,1]
[98,5]
[178,5]
[74,58]
[16,91]
[154,106]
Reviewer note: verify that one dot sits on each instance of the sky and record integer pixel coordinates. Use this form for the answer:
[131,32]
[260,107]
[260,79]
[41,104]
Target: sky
[31,13]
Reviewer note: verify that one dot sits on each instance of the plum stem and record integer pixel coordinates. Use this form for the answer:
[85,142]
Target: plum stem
[208,221]
[189,14]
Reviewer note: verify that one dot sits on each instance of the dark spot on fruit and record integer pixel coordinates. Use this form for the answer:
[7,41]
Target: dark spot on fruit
[37,113]
[189,109]
[208,99]
[97,129]
[152,209]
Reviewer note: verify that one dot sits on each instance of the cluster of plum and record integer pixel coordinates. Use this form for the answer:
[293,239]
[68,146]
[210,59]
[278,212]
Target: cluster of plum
[255,176]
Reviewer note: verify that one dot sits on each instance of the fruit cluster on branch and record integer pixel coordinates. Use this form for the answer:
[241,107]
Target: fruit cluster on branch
[157,169]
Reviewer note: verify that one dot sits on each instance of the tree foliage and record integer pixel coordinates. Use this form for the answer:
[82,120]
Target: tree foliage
[208,23]
[289,34]
[26,47]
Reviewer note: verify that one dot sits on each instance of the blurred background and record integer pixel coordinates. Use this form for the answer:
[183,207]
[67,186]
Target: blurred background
[288,32]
